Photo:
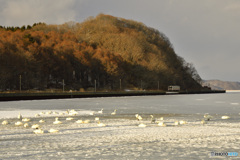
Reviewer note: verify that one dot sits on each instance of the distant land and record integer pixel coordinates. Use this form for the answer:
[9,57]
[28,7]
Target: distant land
[222,85]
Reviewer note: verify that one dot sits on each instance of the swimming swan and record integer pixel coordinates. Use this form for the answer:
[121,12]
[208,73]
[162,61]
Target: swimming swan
[4,122]
[38,131]
[101,124]
[225,117]
[18,123]
[57,121]
[25,119]
[53,130]
[142,125]
[101,111]
[162,124]
[114,112]
[35,126]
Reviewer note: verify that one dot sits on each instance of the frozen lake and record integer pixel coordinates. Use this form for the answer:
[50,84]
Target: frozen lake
[122,138]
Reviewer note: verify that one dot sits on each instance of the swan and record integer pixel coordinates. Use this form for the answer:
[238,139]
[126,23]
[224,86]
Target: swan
[57,121]
[18,123]
[114,112]
[96,118]
[162,124]
[101,111]
[5,122]
[225,117]
[72,112]
[55,112]
[79,121]
[203,122]
[153,120]
[26,125]
[25,119]
[138,117]
[38,131]
[53,130]
[19,116]
[142,125]
[37,115]
[86,121]
[69,118]
[91,113]
[101,124]
[176,123]
[49,112]
[35,126]
[41,121]
[207,117]
[182,122]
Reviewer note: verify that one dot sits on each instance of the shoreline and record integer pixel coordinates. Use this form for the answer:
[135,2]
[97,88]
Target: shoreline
[67,95]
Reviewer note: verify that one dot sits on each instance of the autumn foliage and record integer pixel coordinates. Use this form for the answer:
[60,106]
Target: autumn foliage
[105,49]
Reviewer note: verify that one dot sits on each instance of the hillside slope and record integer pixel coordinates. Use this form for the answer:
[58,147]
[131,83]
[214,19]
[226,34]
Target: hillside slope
[113,51]
[222,85]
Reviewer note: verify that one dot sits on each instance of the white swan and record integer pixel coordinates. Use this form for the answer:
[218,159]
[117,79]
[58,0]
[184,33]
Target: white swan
[96,118]
[26,125]
[162,124]
[18,123]
[114,112]
[72,112]
[5,122]
[53,130]
[19,116]
[101,111]
[142,125]
[225,117]
[138,117]
[203,122]
[25,119]
[207,117]
[41,121]
[183,122]
[37,115]
[101,124]
[86,121]
[49,112]
[176,123]
[38,131]
[57,121]
[153,120]
[79,121]
[69,118]
[35,126]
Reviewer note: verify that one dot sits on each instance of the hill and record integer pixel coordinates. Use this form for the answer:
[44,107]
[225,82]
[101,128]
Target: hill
[109,52]
[222,85]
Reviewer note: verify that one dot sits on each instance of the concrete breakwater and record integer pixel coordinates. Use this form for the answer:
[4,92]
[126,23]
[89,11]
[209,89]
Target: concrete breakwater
[63,95]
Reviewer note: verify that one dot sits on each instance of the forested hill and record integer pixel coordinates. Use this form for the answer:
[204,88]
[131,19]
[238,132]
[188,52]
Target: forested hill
[105,48]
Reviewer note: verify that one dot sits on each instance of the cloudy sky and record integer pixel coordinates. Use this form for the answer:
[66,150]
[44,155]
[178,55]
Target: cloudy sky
[203,32]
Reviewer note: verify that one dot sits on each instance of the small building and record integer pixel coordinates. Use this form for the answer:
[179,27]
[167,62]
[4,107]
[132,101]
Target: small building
[173,88]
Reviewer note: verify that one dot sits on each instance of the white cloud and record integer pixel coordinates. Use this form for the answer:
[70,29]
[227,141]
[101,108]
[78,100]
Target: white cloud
[24,12]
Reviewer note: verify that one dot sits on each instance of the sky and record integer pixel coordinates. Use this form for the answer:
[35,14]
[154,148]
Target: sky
[203,32]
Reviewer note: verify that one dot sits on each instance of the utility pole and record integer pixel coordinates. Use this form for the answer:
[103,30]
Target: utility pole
[63,85]
[20,83]
[120,84]
[95,88]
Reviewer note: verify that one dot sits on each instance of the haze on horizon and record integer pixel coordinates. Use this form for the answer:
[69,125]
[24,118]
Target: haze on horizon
[205,33]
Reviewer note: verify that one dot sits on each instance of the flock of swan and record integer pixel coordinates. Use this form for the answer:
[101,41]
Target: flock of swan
[37,129]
